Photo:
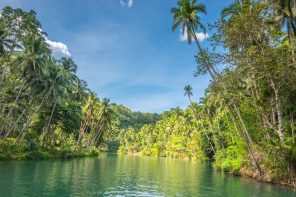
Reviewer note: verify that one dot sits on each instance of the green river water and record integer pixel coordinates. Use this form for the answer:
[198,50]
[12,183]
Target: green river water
[113,175]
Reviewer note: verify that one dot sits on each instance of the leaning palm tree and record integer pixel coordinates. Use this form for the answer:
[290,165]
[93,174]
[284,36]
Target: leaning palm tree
[188,92]
[104,121]
[186,16]
[33,57]
[237,8]
[6,42]
[35,72]
[59,86]
[80,90]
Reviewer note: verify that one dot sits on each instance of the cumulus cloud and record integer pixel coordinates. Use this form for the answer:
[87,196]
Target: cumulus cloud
[58,49]
[127,3]
[200,36]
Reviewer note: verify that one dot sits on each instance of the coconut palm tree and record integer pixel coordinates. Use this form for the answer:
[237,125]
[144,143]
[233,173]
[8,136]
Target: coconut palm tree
[33,57]
[237,8]
[59,85]
[6,43]
[186,15]
[188,92]
[104,121]
[35,71]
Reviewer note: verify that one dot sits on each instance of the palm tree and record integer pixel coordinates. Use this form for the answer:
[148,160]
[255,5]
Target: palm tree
[59,85]
[33,57]
[186,15]
[35,71]
[68,65]
[80,90]
[88,109]
[237,8]
[188,92]
[104,121]
[6,43]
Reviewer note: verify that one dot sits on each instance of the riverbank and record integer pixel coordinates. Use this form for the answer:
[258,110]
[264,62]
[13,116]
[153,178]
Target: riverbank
[10,151]
[245,170]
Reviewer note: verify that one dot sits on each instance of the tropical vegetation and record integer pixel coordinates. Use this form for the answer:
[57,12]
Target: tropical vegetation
[244,124]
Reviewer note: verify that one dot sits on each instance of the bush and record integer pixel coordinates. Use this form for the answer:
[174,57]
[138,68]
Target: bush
[3,156]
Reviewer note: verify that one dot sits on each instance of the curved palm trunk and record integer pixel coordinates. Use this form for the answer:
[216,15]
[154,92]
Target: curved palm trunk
[11,109]
[212,147]
[210,68]
[190,100]
[207,136]
[92,143]
[243,124]
[82,131]
[214,76]
[99,137]
[49,121]
[17,120]
[29,120]
[15,123]
[254,161]
[16,99]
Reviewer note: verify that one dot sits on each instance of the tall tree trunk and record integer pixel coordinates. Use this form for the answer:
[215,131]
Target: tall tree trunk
[204,130]
[255,163]
[3,74]
[277,101]
[243,124]
[15,123]
[95,137]
[214,76]
[82,129]
[17,120]
[207,62]
[212,147]
[50,118]
[30,119]
[16,99]
[264,116]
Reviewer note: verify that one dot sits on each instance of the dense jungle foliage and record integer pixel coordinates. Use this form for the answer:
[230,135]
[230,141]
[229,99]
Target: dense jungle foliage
[244,124]
[46,110]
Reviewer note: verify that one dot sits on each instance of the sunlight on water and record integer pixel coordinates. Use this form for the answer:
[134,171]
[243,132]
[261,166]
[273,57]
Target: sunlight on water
[112,175]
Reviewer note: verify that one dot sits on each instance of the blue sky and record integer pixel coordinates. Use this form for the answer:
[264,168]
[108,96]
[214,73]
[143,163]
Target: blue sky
[125,49]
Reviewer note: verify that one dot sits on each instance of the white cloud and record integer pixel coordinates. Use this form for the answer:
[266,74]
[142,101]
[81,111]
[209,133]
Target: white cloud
[127,3]
[200,36]
[58,49]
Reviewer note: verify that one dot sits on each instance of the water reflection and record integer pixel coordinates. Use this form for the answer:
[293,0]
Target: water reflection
[112,175]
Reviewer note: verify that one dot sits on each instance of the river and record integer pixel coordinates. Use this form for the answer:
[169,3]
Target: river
[123,175]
